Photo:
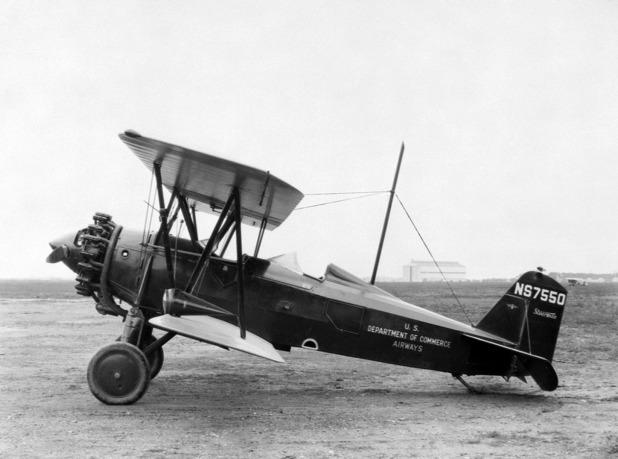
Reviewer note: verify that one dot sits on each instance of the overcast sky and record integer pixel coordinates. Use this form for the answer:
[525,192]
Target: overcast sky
[509,113]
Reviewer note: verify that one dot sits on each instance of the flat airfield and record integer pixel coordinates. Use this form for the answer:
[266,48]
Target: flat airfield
[211,403]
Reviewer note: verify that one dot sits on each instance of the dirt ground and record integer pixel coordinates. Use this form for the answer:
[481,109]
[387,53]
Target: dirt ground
[211,403]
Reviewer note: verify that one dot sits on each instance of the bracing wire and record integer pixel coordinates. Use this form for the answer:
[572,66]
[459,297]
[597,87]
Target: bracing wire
[366,194]
[176,246]
[347,192]
[154,209]
[148,210]
[151,207]
[434,260]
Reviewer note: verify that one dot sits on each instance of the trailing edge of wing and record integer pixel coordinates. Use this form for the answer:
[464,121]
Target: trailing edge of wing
[209,180]
[215,331]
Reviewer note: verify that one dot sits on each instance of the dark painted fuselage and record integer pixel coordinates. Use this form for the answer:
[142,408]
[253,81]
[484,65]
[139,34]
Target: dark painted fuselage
[337,313]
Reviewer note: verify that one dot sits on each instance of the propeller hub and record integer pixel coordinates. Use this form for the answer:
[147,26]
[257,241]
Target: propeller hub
[64,250]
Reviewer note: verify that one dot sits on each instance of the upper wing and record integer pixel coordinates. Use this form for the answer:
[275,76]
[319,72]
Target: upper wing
[209,181]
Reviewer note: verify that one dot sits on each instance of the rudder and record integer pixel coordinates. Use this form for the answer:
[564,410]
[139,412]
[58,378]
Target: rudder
[529,314]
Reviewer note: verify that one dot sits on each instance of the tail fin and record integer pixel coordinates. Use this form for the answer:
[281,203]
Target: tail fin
[529,314]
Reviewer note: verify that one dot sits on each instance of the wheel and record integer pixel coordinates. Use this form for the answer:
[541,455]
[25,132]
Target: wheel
[155,359]
[119,374]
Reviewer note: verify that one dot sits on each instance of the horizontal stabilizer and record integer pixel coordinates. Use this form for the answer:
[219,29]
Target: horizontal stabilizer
[539,368]
[543,373]
[215,331]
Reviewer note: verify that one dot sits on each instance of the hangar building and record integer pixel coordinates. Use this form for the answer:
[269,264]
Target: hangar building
[426,271]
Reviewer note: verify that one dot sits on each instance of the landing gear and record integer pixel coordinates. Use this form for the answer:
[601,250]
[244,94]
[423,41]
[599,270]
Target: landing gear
[119,374]
[155,358]
[135,325]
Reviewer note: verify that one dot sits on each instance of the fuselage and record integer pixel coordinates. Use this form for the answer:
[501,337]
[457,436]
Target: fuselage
[337,313]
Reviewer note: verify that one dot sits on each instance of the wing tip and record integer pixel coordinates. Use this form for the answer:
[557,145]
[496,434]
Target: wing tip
[131,133]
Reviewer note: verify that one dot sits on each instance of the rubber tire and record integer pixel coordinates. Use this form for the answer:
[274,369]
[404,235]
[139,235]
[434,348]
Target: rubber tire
[118,374]
[155,359]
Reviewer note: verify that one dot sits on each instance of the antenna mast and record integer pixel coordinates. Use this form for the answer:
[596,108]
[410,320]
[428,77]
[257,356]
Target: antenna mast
[388,214]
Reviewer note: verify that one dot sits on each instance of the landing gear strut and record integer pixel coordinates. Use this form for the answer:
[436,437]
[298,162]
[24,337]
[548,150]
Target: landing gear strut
[155,357]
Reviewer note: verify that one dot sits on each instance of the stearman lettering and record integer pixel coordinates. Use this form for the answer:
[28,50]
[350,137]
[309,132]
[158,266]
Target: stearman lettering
[549,315]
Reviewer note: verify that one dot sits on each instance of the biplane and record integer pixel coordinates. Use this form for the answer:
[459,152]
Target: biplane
[573,281]
[193,288]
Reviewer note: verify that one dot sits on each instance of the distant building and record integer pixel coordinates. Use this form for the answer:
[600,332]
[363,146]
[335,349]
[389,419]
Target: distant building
[427,271]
